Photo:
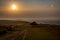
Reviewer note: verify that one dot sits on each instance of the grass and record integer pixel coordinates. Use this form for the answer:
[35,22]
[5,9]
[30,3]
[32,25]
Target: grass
[40,34]
[36,33]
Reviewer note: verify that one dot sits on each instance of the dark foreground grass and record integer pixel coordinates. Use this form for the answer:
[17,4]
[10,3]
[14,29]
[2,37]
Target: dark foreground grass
[34,33]
[41,34]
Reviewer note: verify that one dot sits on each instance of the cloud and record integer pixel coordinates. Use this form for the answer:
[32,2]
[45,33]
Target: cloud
[32,10]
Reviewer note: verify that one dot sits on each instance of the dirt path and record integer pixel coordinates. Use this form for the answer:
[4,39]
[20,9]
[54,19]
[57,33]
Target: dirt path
[24,34]
[14,35]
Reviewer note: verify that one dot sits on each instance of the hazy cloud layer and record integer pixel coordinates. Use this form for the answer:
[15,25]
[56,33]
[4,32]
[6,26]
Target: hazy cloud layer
[31,10]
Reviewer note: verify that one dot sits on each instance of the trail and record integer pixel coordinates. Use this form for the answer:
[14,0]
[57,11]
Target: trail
[14,35]
[25,35]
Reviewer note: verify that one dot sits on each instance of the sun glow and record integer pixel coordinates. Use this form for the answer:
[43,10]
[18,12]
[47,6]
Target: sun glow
[13,7]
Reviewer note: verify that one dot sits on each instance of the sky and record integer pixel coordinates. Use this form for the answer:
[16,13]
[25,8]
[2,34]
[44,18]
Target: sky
[30,10]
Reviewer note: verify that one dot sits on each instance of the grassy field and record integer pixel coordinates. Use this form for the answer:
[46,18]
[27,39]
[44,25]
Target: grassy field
[28,32]
[40,34]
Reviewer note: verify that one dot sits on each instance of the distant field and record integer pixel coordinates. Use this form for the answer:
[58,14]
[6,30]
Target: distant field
[29,32]
[41,34]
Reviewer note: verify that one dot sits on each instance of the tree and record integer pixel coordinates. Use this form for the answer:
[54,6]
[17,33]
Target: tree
[34,23]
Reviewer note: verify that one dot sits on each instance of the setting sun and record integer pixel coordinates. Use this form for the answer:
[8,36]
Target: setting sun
[13,7]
